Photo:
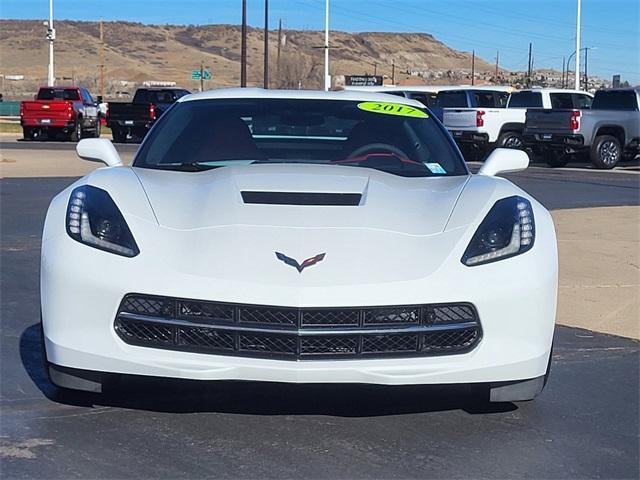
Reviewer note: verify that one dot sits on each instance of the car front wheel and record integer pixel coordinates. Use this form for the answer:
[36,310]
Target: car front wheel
[76,133]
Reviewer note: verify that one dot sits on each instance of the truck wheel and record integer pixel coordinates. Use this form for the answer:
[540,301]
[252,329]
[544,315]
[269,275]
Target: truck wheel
[606,152]
[118,136]
[34,134]
[76,134]
[556,158]
[97,130]
[510,140]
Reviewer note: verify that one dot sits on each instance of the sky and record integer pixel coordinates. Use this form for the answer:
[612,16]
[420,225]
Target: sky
[610,28]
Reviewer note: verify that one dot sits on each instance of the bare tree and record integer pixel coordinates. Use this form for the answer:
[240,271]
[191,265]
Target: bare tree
[297,70]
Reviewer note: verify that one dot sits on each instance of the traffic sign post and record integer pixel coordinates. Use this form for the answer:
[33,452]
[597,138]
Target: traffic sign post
[202,75]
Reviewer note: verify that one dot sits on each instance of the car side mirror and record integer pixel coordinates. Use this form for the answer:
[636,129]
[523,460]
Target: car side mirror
[504,160]
[99,150]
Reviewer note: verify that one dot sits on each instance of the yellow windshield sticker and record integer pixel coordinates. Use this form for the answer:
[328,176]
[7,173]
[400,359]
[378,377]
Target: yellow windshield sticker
[392,109]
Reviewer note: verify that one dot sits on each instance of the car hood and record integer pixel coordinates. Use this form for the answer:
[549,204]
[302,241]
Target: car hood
[387,203]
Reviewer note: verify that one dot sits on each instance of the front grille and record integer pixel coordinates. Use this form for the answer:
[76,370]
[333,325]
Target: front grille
[297,333]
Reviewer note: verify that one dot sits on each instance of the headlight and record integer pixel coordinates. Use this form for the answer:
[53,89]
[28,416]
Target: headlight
[94,219]
[506,231]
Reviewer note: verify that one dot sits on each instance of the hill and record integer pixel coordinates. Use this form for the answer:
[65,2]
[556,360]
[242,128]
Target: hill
[135,53]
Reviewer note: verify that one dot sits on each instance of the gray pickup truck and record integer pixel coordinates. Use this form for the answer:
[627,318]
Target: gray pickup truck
[608,132]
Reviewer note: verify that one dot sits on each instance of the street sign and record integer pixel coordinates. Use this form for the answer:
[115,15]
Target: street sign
[616,81]
[363,80]
[198,74]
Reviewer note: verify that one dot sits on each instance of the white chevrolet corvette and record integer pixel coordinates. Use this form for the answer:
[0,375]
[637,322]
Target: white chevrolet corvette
[299,237]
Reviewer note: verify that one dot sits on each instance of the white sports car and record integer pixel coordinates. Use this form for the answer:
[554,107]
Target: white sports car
[292,236]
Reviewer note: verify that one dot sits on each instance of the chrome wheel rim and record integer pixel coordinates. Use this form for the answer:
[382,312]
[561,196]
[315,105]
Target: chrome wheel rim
[513,142]
[609,153]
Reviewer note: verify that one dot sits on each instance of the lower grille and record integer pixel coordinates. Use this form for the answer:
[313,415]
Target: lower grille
[297,333]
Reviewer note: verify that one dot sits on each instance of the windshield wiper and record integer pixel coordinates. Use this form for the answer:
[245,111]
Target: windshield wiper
[184,167]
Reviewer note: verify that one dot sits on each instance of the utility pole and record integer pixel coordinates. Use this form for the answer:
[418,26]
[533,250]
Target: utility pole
[577,79]
[202,76]
[279,47]
[327,78]
[101,89]
[529,67]
[393,72]
[243,46]
[497,63]
[562,82]
[586,63]
[473,67]
[51,36]
[266,43]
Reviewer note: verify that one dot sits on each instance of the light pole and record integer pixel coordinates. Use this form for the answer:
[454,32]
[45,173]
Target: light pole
[51,36]
[266,43]
[243,46]
[327,79]
[585,50]
[577,76]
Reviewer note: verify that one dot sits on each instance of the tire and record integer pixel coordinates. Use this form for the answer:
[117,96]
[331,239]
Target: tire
[118,136]
[97,130]
[510,140]
[556,158]
[76,135]
[606,152]
[33,134]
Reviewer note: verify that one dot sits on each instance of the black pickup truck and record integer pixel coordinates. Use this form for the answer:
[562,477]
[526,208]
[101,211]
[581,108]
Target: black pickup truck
[132,121]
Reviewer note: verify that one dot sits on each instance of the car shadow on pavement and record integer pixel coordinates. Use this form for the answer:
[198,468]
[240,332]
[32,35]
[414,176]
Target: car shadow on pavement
[259,398]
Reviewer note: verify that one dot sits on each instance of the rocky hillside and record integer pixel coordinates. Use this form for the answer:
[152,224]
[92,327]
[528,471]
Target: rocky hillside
[135,52]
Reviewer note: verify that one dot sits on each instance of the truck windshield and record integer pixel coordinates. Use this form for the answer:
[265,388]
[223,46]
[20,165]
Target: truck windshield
[453,99]
[58,94]
[158,96]
[390,137]
[615,100]
[525,100]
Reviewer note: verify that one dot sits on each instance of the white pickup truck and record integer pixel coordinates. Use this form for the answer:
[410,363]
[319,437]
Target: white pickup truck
[479,130]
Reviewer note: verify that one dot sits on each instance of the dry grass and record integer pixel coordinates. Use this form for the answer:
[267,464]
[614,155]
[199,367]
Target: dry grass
[138,52]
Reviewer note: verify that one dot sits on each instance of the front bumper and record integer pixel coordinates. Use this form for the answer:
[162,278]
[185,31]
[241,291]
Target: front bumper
[82,289]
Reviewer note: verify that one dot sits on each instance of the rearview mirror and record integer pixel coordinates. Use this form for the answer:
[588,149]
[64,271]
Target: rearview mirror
[504,160]
[99,150]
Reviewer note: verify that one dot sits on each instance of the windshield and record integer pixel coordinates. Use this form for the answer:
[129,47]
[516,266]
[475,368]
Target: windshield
[58,94]
[452,99]
[525,100]
[615,100]
[395,138]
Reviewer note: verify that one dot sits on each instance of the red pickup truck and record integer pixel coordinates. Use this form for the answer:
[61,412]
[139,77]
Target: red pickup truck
[69,112]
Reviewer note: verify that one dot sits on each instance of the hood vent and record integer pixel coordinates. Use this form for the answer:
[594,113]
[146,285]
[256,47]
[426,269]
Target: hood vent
[302,198]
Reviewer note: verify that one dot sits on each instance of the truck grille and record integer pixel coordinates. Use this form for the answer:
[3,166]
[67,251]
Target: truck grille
[297,333]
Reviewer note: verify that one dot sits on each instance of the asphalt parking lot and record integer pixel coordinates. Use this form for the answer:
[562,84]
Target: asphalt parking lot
[584,425]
